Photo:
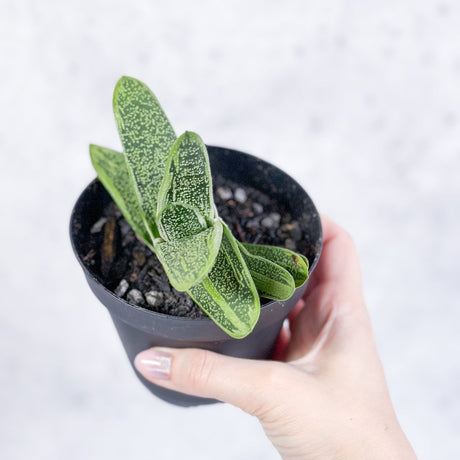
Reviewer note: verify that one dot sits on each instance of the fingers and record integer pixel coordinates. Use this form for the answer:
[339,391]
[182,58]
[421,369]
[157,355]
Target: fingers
[284,337]
[334,292]
[248,384]
[338,266]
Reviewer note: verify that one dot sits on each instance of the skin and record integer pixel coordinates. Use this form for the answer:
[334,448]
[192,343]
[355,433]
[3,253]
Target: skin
[337,405]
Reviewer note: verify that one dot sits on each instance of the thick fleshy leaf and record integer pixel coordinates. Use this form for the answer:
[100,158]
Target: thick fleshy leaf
[188,260]
[228,295]
[271,280]
[178,221]
[112,171]
[147,137]
[295,264]
[187,178]
[164,189]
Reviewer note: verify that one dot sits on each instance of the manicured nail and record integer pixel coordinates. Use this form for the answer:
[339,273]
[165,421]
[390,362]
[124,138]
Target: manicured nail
[154,364]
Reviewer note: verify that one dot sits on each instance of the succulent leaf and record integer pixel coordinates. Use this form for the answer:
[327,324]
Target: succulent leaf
[163,187]
[188,261]
[112,171]
[187,177]
[228,294]
[178,221]
[147,137]
[271,280]
[295,264]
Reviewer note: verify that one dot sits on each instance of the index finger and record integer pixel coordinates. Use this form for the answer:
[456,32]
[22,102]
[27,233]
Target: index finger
[338,266]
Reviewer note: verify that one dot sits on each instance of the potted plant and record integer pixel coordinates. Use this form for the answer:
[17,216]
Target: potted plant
[162,186]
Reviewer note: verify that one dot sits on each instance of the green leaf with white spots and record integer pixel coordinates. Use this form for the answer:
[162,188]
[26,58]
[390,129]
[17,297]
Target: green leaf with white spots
[163,187]
[147,137]
[185,210]
[271,280]
[295,264]
[228,295]
[187,178]
[178,221]
[188,260]
[112,171]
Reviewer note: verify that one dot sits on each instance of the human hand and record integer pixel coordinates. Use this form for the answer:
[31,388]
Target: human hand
[326,396]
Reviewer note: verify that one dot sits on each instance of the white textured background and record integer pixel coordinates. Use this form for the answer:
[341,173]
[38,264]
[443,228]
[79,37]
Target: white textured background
[357,99]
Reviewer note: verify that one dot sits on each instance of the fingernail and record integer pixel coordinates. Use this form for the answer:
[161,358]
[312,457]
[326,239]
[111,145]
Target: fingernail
[154,364]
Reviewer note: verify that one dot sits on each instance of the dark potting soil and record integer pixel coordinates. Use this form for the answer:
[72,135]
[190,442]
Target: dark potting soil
[128,268]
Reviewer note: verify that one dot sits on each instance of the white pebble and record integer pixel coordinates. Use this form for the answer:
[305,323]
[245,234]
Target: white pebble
[154,298]
[258,208]
[267,222]
[97,227]
[241,195]
[135,296]
[224,193]
[122,287]
[276,217]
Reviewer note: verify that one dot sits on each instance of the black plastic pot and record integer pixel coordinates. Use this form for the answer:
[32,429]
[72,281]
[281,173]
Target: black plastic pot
[140,328]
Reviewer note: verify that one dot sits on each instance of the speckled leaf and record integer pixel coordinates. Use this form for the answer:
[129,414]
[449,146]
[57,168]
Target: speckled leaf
[112,171]
[295,264]
[228,295]
[146,136]
[178,221]
[271,280]
[187,178]
[188,260]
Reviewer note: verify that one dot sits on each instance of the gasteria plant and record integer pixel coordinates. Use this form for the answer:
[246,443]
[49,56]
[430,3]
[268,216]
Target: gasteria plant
[163,187]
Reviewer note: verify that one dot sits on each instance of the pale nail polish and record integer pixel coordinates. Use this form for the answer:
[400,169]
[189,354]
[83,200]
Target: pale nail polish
[154,364]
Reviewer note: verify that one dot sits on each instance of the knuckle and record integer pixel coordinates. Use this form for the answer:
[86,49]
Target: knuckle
[274,377]
[272,387]
[200,369]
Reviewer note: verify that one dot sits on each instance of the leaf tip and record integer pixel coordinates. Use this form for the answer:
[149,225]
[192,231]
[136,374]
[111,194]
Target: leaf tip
[93,153]
[123,80]
[120,86]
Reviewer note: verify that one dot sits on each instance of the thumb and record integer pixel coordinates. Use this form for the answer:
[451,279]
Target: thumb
[210,375]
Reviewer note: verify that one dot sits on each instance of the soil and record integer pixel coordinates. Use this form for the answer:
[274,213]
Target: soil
[128,268]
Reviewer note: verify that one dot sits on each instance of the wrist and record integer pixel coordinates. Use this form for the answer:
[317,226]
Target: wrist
[390,442]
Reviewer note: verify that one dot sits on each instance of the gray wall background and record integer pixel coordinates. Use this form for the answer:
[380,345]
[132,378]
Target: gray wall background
[358,100]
